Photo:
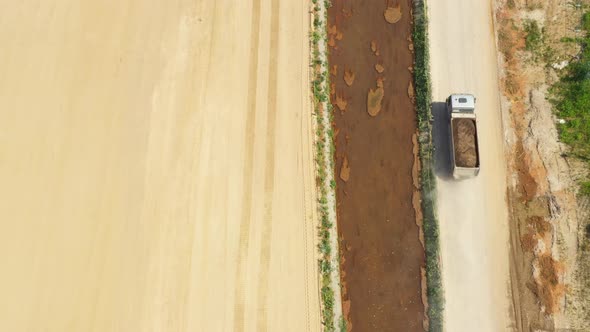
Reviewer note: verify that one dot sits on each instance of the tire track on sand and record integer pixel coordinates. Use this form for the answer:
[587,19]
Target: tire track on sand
[248,167]
[271,116]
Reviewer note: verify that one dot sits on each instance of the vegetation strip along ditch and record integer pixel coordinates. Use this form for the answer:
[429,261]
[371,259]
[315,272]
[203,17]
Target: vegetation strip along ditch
[324,158]
[422,85]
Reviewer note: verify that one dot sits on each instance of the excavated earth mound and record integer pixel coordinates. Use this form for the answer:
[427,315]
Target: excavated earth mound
[465,142]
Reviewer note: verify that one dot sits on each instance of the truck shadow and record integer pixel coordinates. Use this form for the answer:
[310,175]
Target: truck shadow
[440,138]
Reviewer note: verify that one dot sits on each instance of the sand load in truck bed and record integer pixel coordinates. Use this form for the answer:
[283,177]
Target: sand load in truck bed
[465,142]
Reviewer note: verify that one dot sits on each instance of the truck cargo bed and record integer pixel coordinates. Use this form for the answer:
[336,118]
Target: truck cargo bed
[465,142]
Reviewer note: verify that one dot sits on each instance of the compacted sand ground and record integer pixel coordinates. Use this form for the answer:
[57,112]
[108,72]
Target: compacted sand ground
[156,167]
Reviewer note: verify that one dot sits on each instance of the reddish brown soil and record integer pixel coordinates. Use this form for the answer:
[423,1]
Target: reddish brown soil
[381,251]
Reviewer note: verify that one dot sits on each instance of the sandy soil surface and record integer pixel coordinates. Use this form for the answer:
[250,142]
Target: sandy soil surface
[473,213]
[156,167]
[375,121]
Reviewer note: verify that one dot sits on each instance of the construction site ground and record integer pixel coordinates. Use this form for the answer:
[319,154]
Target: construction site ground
[156,167]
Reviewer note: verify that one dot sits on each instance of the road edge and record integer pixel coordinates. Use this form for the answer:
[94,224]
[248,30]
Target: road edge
[423,93]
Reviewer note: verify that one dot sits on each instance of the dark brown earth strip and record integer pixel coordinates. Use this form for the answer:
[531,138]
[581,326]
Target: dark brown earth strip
[370,64]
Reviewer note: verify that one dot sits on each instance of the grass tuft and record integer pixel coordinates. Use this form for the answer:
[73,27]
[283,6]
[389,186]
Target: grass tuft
[533,35]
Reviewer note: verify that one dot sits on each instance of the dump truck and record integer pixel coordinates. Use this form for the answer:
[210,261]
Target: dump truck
[463,136]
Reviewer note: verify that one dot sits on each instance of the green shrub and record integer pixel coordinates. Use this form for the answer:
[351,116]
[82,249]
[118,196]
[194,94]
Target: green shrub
[342,324]
[571,97]
[534,35]
[586,22]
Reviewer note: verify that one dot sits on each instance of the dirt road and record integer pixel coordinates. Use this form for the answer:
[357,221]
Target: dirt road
[156,167]
[473,213]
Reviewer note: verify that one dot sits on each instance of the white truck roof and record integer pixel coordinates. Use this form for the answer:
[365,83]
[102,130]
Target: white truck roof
[462,101]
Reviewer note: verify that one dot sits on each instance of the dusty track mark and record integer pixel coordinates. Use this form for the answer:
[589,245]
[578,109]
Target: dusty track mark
[211,41]
[248,167]
[266,238]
